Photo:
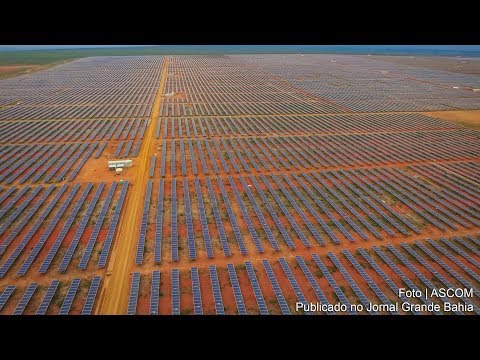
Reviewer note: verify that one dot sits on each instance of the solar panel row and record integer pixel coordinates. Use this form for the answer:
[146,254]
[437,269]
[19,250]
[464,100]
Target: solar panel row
[262,306]
[113,225]
[78,234]
[133,298]
[276,288]
[218,220]
[143,225]
[197,295]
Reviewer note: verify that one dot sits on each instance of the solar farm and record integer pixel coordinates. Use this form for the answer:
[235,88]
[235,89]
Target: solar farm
[259,182]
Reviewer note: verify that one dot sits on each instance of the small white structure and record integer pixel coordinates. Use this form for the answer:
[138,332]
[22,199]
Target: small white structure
[118,171]
[476,90]
[120,163]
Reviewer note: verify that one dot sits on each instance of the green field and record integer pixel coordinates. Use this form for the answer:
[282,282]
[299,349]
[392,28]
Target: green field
[44,57]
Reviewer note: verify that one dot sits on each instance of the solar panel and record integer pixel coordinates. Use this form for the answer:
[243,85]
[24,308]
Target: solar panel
[467,245]
[452,258]
[16,252]
[81,163]
[67,302]
[91,296]
[174,225]
[293,283]
[152,165]
[197,296]
[276,288]
[192,252]
[317,217]
[369,280]
[272,212]
[12,202]
[203,220]
[155,292]
[452,272]
[385,277]
[452,193]
[334,285]
[15,170]
[350,208]
[143,225]
[438,275]
[202,157]
[218,220]
[324,209]
[182,158]
[435,195]
[7,193]
[244,211]
[259,214]
[22,304]
[100,149]
[220,155]
[6,223]
[275,152]
[231,215]
[473,239]
[417,208]
[164,158]
[247,152]
[351,282]
[237,292]
[6,295]
[230,155]
[422,277]
[192,156]
[287,214]
[217,294]
[76,238]
[313,283]
[37,164]
[335,206]
[69,164]
[262,306]
[58,160]
[159,222]
[405,279]
[47,298]
[113,225]
[411,193]
[175,292]
[173,160]
[39,245]
[461,252]
[257,154]
[132,299]
[369,202]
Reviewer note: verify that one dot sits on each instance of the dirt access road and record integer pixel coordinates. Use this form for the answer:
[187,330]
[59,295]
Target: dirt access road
[113,298]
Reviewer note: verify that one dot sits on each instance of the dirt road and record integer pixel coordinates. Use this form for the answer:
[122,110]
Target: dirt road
[113,298]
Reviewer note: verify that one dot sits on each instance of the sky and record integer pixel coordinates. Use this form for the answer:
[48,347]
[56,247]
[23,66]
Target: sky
[53,47]
[398,47]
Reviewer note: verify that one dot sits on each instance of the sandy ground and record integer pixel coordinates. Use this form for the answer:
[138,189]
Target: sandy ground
[113,297]
[16,69]
[467,118]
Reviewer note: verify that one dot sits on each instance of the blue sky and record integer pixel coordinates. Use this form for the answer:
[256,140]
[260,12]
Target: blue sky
[446,50]
[399,47]
[50,47]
